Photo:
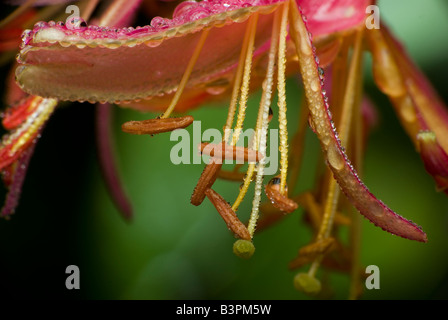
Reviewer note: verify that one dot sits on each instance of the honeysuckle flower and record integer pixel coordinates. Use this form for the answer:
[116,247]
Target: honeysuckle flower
[229,48]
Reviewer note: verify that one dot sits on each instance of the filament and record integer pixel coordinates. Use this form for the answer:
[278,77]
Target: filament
[282,99]
[238,77]
[262,134]
[245,84]
[186,76]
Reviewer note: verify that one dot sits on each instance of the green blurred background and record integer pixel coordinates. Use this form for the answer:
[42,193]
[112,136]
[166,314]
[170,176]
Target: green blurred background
[173,250]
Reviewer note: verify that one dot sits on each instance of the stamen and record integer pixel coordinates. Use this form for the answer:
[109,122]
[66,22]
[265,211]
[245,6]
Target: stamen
[187,74]
[229,216]
[155,126]
[282,98]
[310,252]
[245,186]
[231,175]
[223,151]
[239,76]
[206,180]
[278,199]
[262,132]
[246,80]
[245,55]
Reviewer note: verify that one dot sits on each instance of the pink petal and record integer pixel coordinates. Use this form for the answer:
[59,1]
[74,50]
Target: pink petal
[106,158]
[324,17]
[144,62]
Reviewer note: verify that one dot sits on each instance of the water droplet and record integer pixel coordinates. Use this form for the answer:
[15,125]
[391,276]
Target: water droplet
[315,85]
[159,23]
[154,42]
[275,181]
[198,13]
[335,158]
[218,86]
[321,72]
[184,8]
[40,24]
[407,111]
[26,38]
[76,23]
[377,210]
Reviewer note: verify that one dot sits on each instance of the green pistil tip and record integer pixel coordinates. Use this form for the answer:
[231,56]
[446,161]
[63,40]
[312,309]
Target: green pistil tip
[243,248]
[307,284]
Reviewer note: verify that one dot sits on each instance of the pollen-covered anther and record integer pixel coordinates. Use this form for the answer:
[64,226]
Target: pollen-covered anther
[243,248]
[277,198]
[434,158]
[307,284]
[310,252]
[224,151]
[229,216]
[206,181]
[154,126]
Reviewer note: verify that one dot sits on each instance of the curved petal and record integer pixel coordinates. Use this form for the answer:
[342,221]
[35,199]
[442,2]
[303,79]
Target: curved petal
[324,17]
[100,64]
[358,194]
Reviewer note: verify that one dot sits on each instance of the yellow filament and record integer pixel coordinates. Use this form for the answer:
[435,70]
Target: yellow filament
[351,91]
[282,98]
[262,132]
[251,168]
[238,77]
[246,80]
[255,146]
[187,74]
[243,191]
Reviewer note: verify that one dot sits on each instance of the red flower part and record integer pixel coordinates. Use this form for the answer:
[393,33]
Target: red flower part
[13,177]
[434,158]
[106,157]
[26,129]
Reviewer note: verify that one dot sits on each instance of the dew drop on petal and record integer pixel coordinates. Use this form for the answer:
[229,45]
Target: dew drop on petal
[315,85]
[218,86]
[76,23]
[335,158]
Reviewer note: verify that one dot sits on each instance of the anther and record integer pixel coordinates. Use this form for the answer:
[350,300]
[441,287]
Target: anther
[229,216]
[207,179]
[278,199]
[154,126]
[223,151]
